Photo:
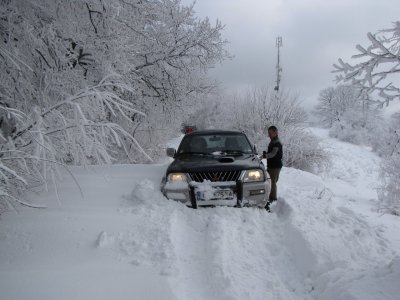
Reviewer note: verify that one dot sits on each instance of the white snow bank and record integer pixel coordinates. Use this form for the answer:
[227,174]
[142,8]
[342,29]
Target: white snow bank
[331,242]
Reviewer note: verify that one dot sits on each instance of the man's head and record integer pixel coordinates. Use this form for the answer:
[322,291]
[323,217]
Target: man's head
[272,132]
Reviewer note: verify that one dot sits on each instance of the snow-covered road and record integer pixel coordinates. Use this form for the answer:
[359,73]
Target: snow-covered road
[324,240]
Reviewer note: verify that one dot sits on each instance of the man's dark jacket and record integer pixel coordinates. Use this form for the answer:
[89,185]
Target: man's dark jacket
[275,162]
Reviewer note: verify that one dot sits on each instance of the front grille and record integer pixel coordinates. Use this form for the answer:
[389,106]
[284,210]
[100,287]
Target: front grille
[215,176]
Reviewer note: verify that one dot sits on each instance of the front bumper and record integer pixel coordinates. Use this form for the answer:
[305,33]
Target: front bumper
[246,194]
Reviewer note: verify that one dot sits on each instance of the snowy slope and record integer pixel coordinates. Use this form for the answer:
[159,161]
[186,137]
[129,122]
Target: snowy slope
[124,240]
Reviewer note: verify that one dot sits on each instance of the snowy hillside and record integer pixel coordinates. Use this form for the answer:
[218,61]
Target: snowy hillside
[124,240]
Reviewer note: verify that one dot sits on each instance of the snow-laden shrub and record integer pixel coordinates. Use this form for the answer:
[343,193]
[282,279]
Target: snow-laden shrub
[359,127]
[303,151]
[350,115]
[258,109]
[389,193]
[10,177]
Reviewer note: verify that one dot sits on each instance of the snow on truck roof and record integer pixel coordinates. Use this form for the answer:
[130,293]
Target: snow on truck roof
[214,131]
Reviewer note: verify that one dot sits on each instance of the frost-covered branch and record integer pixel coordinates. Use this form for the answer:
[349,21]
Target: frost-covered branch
[378,66]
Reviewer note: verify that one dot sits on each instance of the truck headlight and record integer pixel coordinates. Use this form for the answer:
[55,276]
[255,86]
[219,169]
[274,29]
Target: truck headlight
[176,177]
[253,175]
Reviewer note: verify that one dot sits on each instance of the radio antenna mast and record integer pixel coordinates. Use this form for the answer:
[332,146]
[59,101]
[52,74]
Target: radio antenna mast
[278,64]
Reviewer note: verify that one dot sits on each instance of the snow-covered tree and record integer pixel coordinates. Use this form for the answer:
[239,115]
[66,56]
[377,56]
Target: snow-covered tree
[333,102]
[91,81]
[350,116]
[376,67]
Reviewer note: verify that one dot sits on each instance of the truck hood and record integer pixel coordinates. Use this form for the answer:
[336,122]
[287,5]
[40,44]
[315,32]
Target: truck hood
[214,163]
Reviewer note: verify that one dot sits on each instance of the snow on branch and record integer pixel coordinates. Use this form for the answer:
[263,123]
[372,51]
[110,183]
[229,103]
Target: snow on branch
[75,130]
[377,66]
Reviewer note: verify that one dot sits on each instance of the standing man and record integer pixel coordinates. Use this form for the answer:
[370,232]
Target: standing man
[274,162]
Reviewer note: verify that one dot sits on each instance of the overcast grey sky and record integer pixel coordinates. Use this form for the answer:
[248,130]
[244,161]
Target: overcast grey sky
[315,34]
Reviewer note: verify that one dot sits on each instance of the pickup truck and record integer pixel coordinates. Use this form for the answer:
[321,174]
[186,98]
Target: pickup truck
[216,167]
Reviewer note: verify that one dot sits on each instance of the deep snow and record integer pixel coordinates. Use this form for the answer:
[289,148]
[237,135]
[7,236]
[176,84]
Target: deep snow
[124,240]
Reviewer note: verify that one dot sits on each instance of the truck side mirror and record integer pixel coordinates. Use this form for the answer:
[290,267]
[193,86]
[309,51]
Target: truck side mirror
[171,152]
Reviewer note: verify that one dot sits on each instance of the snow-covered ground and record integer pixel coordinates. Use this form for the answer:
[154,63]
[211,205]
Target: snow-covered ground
[124,240]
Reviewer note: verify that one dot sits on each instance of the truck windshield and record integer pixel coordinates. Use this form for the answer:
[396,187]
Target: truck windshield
[216,144]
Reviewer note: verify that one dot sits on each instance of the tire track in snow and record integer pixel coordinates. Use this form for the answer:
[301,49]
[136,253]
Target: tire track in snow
[228,253]
[191,236]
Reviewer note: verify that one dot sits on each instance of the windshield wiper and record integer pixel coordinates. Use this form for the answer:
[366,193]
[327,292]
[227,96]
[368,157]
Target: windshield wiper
[196,153]
[234,151]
